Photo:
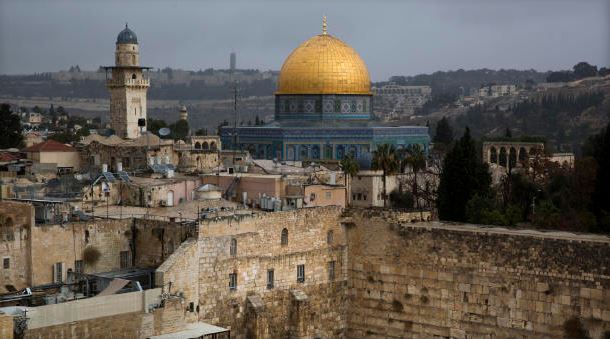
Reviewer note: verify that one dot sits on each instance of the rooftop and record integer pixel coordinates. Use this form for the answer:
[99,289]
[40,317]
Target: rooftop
[50,146]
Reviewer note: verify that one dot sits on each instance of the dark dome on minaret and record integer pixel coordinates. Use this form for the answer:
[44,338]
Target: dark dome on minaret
[127,36]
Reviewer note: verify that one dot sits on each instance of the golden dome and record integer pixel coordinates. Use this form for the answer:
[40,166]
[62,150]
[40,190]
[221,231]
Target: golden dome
[324,65]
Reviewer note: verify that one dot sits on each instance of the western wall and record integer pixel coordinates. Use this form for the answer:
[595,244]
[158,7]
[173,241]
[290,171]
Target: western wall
[397,279]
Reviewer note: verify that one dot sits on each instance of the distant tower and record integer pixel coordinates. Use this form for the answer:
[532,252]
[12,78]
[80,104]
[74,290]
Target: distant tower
[183,113]
[127,87]
[232,61]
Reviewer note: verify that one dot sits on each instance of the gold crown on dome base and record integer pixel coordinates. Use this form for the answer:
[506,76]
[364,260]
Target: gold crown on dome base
[324,65]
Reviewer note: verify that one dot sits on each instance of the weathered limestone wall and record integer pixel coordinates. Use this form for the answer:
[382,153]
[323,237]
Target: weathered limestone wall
[463,281]
[180,273]
[156,240]
[6,326]
[127,326]
[314,307]
[114,316]
[53,244]
[15,221]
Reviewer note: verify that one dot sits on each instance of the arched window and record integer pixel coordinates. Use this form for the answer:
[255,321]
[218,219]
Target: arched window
[522,154]
[233,248]
[284,239]
[133,76]
[197,145]
[213,146]
[512,157]
[493,155]
[205,146]
[329,237]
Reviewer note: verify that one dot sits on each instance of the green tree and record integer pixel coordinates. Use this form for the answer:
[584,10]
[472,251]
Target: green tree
[385,160]
[463,175]
[350,167]
[601,202]
[10,128]
[154,125]
[180,129]
[444,132]
[416,160]
[584,70]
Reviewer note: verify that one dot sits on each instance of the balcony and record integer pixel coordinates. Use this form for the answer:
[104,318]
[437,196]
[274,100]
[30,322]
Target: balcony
[128,82]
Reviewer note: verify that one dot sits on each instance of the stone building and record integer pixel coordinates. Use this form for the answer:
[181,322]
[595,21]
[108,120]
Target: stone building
[509,153]
[63,157]
[128,86]
[400,100]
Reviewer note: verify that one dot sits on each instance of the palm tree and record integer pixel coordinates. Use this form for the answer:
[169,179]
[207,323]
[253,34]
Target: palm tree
[416,159]
[386,160]
[350,167]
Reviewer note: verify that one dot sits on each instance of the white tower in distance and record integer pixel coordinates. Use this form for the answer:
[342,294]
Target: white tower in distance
[127,87]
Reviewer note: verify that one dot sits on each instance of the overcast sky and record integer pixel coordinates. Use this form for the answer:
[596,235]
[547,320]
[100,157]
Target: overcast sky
[394,37]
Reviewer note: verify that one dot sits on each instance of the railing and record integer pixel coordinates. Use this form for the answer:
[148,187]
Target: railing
[128,82]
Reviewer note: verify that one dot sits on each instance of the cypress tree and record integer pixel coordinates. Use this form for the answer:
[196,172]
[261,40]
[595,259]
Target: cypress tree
[444,132]
[463,176]
[600,201]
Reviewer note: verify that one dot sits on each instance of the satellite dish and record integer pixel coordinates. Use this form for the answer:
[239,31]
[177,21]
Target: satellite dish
[164,131]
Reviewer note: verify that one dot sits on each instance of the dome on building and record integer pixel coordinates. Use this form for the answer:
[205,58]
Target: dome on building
[324,65]
[127,36]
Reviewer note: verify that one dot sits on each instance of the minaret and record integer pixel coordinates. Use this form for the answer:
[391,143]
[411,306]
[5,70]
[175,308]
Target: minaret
[127,87]
[183,113]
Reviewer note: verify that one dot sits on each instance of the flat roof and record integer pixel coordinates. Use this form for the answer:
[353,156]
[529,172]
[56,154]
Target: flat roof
[195,330]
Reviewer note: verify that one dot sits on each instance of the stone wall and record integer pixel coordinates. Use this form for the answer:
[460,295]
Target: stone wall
[310,308]
[6,326]
[156,240]
[127,326]
[180,272]
[462,281]
[15,221]
[66,244]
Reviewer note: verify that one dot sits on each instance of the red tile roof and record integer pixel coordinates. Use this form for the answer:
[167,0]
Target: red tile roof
[6,156]
[50,146]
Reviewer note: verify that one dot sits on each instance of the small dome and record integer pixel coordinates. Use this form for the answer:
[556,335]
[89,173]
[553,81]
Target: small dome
[127,36]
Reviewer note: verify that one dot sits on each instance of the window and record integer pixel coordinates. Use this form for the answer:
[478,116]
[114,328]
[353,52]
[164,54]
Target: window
[359,196]
[301,273]
[233,249]
[353,196]
[329,237]
[284,239]
[270,279]
[6,263]
[233,281]
[364,197]
[312,197]
[331,270]
[327,195]
[125,259]
[58,272]
[133,76]
[79,267]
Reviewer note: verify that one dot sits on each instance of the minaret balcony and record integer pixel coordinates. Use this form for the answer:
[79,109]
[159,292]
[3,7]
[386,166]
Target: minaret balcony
[128,82]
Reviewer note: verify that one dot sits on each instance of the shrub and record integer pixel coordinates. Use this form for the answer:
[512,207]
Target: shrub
[91,255]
